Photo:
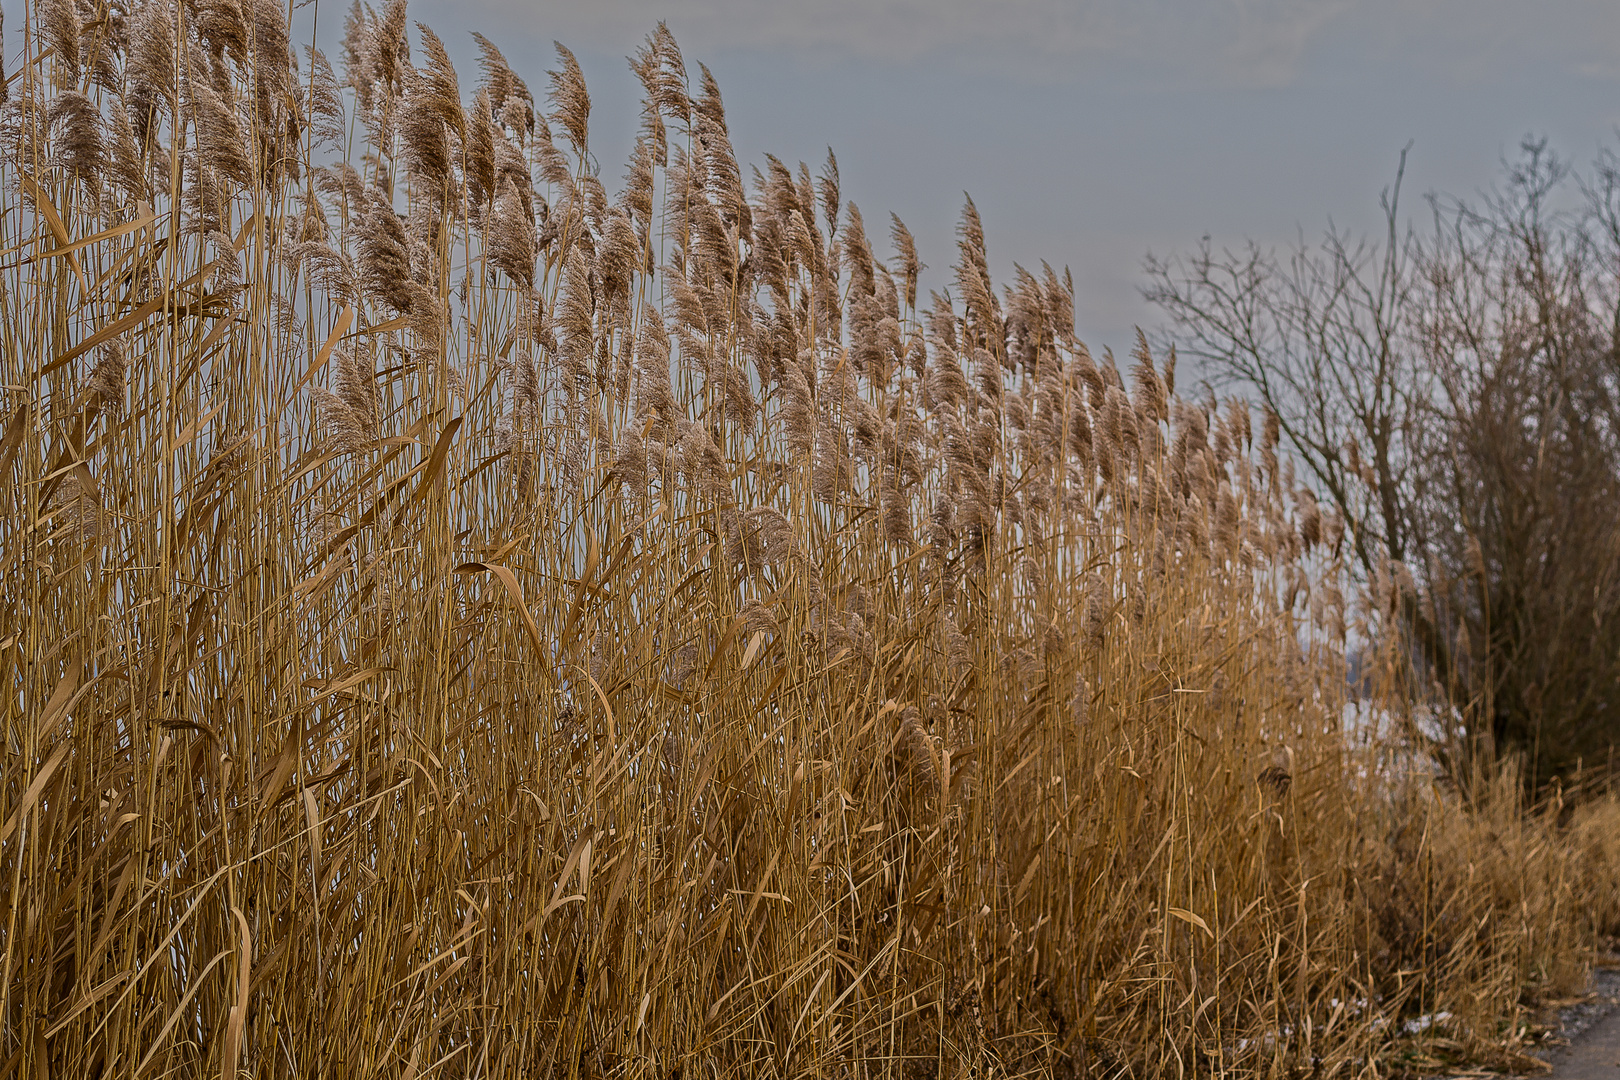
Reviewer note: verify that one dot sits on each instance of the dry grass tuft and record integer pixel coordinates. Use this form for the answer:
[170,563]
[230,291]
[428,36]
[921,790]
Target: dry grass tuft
[674,654]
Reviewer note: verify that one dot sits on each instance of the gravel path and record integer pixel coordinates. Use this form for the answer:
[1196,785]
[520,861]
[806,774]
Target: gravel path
[1593,1031]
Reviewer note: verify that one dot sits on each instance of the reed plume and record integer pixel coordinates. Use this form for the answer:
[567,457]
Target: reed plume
[458,618]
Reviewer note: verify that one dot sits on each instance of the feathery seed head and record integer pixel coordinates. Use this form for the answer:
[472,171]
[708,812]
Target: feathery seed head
[1152,395]
[571,102]
[906,255]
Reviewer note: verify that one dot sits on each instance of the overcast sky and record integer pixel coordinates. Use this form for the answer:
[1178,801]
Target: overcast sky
[1089,133]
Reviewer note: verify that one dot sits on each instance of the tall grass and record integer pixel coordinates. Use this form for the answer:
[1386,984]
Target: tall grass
[458,622]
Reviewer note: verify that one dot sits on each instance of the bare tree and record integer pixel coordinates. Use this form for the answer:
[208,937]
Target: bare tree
[1455,396]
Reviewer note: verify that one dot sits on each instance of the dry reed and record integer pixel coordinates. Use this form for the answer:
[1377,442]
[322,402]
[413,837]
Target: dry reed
[459,623]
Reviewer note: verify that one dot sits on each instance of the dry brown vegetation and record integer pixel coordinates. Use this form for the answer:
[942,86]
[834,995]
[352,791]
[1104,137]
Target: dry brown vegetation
[457,622]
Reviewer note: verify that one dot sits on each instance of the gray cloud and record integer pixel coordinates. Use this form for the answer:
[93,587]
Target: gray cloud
[1209,42]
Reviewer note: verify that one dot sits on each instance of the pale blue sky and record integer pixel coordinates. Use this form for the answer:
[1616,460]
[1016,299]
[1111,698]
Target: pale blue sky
[1091,133]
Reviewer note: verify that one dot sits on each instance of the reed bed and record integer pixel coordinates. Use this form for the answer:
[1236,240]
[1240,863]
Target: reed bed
[460,622]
